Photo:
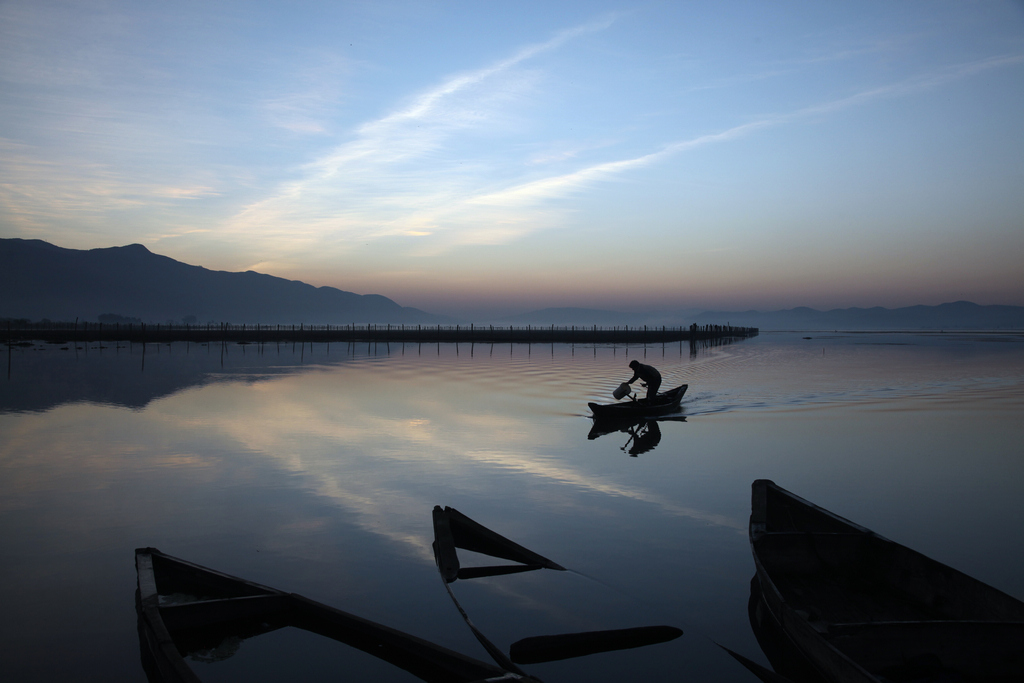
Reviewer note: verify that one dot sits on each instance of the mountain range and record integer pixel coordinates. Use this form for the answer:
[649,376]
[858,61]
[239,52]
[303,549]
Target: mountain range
[959,315]
[39,280]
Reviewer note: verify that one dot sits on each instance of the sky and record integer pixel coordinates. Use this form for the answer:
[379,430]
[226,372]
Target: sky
[472,158]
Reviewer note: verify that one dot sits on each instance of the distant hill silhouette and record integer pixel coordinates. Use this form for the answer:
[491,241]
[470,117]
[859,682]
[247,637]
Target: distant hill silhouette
[39,280]
[583,317]
[959,315]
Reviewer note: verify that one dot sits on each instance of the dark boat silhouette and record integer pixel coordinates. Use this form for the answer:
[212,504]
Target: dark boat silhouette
[861,608]
[664,403]
[185,608]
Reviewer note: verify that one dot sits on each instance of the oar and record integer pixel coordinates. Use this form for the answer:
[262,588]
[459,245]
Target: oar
[497,655]
[496,570]
[540,649]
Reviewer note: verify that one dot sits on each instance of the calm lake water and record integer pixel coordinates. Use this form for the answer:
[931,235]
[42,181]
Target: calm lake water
[315,470]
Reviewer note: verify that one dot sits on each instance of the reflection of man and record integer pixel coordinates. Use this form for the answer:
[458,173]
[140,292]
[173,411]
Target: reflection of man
[651,377]
[645,438]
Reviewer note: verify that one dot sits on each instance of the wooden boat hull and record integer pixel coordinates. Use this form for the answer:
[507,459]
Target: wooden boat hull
[222,606]
[861,608]
[663,404]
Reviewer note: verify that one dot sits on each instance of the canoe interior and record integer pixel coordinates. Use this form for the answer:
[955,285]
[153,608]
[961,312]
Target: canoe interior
[895,612]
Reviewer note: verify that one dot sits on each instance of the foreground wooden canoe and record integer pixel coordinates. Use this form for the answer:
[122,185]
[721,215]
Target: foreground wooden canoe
[863,609]
[184,607]
[664,403]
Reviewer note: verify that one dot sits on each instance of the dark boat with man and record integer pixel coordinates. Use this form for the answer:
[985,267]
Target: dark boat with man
[861,608]
[664,403]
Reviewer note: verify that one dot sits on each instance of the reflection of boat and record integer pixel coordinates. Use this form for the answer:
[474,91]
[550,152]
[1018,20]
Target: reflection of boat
[860,607]
[644,434]
[664,403]
[604,426]
[184,609]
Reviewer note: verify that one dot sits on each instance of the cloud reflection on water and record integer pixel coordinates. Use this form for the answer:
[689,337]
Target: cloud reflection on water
[332,429]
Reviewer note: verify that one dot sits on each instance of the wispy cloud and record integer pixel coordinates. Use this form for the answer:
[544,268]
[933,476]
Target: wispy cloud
[323,195]
[911,85]
[396,176]
[560,185]
[36,192]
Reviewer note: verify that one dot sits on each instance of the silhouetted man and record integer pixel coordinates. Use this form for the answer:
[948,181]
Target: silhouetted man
[651,377]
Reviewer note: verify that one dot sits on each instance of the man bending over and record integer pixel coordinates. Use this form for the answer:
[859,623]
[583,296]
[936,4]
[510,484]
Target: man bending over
[651,377]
